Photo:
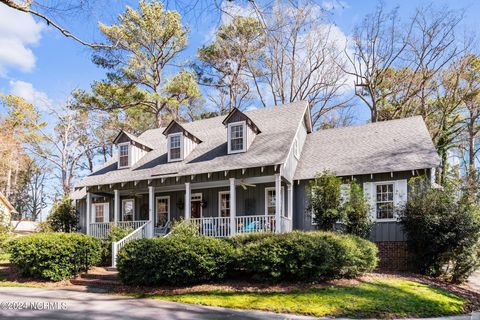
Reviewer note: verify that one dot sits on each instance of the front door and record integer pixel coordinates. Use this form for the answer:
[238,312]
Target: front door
[196,205]
[196,213]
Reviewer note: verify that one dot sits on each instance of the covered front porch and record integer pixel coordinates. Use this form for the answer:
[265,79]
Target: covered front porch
[220,208]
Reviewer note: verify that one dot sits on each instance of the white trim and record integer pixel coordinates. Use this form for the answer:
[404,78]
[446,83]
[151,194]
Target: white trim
[181,146]
[106,211]
[392,182]
[296,151]
[229,138]
[156,207]
[199,198]
[220,193]
[123,213]
[129,154]
[266,197]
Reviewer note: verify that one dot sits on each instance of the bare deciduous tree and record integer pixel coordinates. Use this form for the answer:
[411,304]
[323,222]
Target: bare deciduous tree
[393,62]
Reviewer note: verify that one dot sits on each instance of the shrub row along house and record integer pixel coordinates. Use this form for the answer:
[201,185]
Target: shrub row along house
[248,172]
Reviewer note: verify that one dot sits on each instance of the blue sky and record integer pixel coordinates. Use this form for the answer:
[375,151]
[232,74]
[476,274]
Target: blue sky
[43,66]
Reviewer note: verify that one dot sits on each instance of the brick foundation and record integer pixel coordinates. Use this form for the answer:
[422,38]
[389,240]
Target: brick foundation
[393,255]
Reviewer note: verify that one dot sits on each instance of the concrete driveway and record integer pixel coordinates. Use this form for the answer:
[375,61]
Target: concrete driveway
[71,305]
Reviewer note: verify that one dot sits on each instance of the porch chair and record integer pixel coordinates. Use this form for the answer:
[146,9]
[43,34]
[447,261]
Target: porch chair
[162,230]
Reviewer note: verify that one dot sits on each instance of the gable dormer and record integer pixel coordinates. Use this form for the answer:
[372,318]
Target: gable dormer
[241,131]
[130,149]
[180,142]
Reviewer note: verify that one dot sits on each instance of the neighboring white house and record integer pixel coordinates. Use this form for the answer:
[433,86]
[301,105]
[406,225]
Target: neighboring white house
[6,210]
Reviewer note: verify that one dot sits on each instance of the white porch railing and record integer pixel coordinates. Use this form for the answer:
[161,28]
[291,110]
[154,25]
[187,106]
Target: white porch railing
[260,223]
[213,226]
[220,226]
[101,230]
[141,232]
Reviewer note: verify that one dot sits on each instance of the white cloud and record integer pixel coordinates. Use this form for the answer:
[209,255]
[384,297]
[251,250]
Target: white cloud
[18,32]
[26,90]
[231,10]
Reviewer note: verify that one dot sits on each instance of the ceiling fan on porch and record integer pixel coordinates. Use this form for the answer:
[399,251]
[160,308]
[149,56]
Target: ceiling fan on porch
[136,195]
[244,185]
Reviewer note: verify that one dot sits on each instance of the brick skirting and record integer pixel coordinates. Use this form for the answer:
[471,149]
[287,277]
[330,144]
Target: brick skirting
[393,255]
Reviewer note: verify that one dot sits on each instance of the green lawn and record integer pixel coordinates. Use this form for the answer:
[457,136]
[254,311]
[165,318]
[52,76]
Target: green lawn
[385,298]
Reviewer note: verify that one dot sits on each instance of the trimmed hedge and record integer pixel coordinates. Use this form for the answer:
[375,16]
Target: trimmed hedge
[54,256]
[307,256]
[294,256]
[176,260]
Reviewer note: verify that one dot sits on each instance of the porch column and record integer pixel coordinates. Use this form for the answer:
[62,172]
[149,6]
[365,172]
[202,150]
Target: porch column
[290,205]
[188,201]
[89,212]
[278,203]
[116,206]
[233,207]
[151,208]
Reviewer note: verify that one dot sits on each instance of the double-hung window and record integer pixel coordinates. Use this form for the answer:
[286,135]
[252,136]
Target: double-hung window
[236,137]
[175,147]
[123,155]
[270,201]
[128,209]
[224,203]
[163,211]
[384,201]
[101,212]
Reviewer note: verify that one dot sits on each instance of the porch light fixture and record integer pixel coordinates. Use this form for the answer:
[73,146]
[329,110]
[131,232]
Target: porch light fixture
[204,203]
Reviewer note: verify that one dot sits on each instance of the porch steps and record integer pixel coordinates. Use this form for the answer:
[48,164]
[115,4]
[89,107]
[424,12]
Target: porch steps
[97,277]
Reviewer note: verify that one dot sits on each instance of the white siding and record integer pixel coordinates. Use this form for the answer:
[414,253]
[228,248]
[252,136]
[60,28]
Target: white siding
[188,146]
[250,136]
[136,154]
[290,165]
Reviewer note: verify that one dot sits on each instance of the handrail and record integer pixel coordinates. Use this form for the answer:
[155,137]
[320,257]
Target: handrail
[141,232]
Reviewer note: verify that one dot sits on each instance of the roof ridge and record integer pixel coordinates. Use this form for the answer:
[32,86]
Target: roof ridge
[224,115]
[368,124]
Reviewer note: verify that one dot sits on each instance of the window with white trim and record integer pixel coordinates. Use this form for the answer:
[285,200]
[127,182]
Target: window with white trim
[163,211]
[175,147]
[123,155]
[100,212]
[270,199]
[224,204]
[237,137]
[384,204]
[128,209]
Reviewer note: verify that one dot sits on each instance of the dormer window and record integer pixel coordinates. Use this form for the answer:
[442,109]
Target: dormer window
[175,142]
[180,142]
[241,131]
[237,137]
[123,155]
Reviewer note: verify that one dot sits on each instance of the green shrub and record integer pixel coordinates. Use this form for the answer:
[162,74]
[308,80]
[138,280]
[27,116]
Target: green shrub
[443,231]
[174,260]
[357,212]
[54,256]
[115,234]
[184,228]
[63,216]
[307,256]
[324,200]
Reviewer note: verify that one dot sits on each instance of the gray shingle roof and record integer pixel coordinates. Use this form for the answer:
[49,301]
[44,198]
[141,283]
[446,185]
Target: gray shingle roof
[137,139]
[277,125]
[396,145]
